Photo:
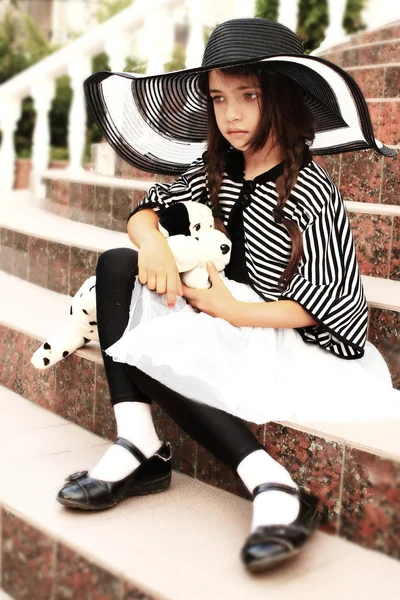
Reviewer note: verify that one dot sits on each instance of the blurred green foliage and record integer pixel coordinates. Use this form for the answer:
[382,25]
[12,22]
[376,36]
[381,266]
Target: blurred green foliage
[313,18]
[178,59]
[267,9]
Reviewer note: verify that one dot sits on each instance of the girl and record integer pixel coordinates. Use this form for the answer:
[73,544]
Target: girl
[288,315]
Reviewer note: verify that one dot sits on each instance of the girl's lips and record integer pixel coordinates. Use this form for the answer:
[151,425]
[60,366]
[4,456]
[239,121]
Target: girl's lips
[236,132]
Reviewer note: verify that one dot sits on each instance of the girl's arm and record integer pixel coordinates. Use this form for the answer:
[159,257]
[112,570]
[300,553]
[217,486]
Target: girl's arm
[279,314]
[157,266]
[218,301]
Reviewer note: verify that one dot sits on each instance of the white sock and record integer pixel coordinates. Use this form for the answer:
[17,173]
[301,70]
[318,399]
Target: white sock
[134,423]
[271,507]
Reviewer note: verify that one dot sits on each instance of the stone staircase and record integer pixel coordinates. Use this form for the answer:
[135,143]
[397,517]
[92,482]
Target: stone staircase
[155,549]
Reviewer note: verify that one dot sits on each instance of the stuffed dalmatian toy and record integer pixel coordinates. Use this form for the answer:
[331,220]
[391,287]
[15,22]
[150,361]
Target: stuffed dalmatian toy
[189,229]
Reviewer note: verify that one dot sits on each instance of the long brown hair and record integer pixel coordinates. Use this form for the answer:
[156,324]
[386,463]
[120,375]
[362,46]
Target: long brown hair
[283,112]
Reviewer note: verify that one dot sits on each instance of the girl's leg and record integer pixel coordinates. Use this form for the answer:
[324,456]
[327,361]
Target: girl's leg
[115,278]
[229,439]
[225,436]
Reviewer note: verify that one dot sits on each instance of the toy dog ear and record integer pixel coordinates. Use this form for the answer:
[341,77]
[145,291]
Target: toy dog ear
[175,219]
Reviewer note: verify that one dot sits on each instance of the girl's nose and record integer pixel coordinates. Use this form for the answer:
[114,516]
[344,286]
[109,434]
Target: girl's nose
[232,112]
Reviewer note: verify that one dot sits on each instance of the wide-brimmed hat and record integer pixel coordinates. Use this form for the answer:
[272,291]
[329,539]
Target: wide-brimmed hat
[158,123]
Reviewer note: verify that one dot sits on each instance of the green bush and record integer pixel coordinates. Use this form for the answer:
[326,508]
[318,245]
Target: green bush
[313,18]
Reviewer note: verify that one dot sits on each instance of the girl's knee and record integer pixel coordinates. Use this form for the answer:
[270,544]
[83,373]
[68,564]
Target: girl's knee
[117,262]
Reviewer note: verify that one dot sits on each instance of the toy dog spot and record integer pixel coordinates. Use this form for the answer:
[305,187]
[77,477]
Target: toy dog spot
[92,323]
[46,361]
[65,353]
[85,311]
[86,340]
[46,346]
[70,310]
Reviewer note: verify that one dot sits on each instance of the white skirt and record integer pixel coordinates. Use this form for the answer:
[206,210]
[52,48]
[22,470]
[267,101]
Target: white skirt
[258,374]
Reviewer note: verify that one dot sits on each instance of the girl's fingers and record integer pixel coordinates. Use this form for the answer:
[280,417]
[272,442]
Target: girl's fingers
[171,290]
[179,287]
[142,276]
[151,281]
[161,283]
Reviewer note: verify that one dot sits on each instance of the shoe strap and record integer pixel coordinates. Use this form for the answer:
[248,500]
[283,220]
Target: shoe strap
[131,448]
[281,487]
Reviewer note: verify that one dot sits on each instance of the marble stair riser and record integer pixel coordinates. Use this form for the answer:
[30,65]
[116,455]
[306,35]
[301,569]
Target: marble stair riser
[35,565]
[377,82]
[391,32]
[364,54]
[365,176]
[46,263]
[355,484]
[102,206]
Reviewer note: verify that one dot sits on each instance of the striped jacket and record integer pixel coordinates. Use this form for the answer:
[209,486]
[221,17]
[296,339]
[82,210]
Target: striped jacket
[327,283]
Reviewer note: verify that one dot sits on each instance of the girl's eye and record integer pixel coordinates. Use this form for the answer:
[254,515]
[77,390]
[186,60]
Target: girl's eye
[217,99]
[251,95]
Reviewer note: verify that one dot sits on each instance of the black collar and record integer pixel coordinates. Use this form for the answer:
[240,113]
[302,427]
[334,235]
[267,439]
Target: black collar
[235,167]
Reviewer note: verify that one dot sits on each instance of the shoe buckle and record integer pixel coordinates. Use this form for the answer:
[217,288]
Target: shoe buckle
[77,476]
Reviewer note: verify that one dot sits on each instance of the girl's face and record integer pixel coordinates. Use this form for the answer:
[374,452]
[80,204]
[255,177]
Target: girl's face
[237,106]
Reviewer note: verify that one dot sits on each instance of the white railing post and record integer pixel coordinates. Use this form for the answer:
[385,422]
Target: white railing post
[195,44]
[78,70]
[155,24]
[117,49]
[288,13]
[245,8]
[10,113]
[42,94]
[334,33]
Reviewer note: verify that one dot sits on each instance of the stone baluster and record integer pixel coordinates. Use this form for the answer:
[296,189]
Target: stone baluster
[245,8]
[335,32]
[288,13]
[42,94]
[78,70]
[159,54]
[118,49]
[195,44]
[10,113]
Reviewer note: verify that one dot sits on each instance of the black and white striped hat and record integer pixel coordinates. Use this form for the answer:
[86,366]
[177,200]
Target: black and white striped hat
[158,123]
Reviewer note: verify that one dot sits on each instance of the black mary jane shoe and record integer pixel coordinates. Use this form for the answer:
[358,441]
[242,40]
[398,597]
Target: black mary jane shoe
[270,545]
[153,475]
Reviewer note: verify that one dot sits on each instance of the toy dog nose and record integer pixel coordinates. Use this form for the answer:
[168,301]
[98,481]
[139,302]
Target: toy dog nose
[225,249]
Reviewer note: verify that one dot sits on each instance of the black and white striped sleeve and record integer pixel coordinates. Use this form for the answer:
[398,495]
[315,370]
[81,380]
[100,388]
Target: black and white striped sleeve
[328,283]
[189,186]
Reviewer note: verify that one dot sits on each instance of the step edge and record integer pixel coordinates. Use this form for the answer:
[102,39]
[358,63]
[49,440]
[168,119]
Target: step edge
[94,355]
[57,537]
[55,223]
[93,178]
[373,208]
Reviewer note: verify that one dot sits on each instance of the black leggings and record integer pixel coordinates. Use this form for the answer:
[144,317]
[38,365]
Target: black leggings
[225,436]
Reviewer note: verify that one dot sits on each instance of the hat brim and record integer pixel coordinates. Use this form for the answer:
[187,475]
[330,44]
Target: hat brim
[158,123]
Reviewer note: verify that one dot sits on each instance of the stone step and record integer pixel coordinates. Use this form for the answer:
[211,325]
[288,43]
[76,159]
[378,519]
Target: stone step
[92,198]
[380,46]
[353,467]
[49,250]
[181,544]
[60,254]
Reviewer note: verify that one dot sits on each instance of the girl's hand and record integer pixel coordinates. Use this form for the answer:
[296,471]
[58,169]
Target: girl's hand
[216,301]
[157,267]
